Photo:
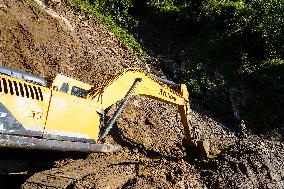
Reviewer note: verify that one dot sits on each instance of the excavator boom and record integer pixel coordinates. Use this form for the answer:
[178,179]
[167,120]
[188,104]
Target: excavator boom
[117,87]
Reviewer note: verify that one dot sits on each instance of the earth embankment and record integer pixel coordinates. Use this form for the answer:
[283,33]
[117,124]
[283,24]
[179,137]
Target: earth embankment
[57,38]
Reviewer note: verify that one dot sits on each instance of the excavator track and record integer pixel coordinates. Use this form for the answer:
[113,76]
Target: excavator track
[68,175]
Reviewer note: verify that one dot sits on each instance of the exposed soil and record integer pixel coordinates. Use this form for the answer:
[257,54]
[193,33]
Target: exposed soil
[153,155]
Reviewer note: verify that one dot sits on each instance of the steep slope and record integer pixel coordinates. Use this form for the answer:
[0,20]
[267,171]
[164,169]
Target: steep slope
[34,41]
[45,40]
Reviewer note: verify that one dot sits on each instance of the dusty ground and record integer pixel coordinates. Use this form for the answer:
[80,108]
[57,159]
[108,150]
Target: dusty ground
[44,42]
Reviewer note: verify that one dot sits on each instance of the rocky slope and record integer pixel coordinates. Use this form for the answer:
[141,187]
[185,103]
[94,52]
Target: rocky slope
[44,39]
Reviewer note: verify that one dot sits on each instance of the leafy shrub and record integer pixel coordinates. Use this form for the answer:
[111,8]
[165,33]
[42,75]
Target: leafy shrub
[118,10]
[257,23]
[255,28]
[121,33]
[240,40]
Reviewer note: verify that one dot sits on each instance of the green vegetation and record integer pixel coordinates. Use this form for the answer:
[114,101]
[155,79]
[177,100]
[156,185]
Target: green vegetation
[254,32]
[112,18]
[213,46]
[28,2]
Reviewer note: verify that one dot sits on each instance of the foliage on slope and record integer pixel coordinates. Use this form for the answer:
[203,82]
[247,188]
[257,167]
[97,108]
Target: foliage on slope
[104,11]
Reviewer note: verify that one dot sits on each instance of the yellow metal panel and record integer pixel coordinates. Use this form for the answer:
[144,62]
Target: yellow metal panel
[60,79]
[31,113]
[72,116]
[117,88]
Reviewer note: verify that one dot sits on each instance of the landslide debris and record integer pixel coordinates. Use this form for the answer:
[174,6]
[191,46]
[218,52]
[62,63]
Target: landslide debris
[251,163]
[153,154]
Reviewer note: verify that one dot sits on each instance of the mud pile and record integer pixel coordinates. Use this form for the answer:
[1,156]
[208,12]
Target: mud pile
[44,39]
[251,163]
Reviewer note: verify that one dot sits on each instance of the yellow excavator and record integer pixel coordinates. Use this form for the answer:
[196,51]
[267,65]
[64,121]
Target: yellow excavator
[64,114]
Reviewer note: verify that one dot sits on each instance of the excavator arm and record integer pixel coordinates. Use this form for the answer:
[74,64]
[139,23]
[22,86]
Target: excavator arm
[138,82]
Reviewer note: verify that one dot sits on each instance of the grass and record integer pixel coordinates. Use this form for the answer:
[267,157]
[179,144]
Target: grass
[28,2]
[126,38]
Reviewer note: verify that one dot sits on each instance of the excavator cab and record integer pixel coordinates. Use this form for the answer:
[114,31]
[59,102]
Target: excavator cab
[70,86]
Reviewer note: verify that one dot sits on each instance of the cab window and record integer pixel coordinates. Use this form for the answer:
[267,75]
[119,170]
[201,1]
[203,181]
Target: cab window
[64,88]
[77,91]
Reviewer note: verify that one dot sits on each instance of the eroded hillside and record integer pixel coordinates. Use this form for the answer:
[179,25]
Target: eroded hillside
[46,38]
